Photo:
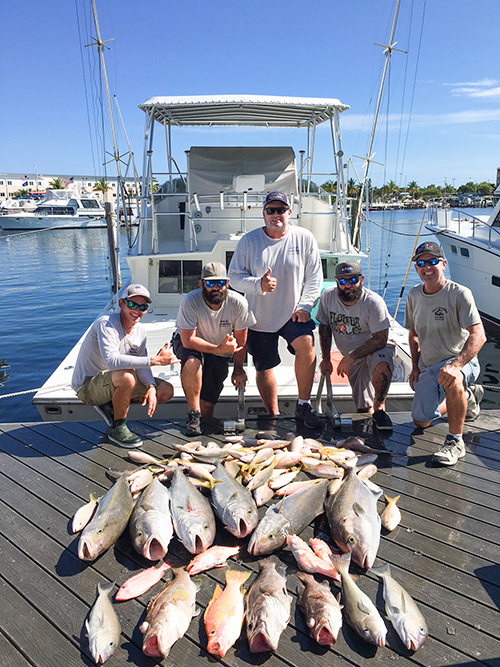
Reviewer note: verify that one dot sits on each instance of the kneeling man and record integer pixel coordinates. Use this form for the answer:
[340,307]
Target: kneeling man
[113,367]
[359,321]
[212,325]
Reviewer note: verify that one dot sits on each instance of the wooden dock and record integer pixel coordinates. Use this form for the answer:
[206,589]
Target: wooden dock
[445,552]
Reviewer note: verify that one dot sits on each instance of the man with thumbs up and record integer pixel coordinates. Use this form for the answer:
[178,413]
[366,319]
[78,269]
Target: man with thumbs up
[278,268]
[212,325]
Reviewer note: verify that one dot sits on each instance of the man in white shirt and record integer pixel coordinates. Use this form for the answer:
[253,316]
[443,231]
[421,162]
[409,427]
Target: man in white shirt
[113,367]
[278,268]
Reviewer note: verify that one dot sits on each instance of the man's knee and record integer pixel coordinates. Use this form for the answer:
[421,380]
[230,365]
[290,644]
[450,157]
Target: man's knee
[420,424]
[165,391]
[191,366]
[303,345]
[126,378]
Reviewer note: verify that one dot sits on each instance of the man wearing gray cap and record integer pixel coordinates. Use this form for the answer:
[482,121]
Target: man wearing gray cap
[212,325]
[359,321]
[445,335]
[113,367]
[278,268]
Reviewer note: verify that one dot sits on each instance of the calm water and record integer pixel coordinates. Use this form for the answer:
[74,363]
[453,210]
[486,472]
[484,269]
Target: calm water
[55,282]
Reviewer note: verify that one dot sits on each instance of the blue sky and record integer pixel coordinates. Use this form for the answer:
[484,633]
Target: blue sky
[439,119]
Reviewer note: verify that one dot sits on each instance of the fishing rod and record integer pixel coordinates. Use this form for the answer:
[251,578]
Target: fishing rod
[408,269]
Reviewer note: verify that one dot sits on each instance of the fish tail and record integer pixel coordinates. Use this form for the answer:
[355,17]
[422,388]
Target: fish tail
[392,500]
[341,562]
[105,588]
[236,577]
[381,570]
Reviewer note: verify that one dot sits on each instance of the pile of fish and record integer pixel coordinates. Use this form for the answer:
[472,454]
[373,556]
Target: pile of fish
[230,482]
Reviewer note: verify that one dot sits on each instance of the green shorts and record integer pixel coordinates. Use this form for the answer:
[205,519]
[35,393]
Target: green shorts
[99,389]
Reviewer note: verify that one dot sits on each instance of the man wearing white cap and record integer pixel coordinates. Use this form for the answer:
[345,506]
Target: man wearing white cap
[212,325]
[113,367]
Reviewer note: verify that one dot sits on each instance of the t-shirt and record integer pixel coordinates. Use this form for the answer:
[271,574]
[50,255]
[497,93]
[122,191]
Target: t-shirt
[440,320]
[213,325]
[353,325]
[108,347]
[294,261]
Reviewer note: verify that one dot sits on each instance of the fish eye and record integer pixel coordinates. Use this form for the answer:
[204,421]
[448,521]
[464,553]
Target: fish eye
[351,539]
[270,536]
[250,625]
[367,630]
[249,511]
[212,632]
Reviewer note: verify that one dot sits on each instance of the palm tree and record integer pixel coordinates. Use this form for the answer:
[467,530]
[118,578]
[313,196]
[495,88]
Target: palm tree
[101,185]
[413,189]
[56,184]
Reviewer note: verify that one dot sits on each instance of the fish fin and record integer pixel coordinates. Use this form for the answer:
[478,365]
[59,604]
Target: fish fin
[362,607]
[197,610]
[217,592]
[105,588]
[360,511]
[391,500]
[237,576]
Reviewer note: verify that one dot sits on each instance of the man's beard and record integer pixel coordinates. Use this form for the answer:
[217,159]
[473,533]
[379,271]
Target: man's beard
[351,297]
[215,297]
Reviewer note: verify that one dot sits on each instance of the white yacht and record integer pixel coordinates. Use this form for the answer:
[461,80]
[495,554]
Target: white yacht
[198,216]
[471,245]
[63,209]
[19,205]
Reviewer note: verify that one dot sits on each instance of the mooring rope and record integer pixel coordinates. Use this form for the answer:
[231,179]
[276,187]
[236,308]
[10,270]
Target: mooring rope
[32,391]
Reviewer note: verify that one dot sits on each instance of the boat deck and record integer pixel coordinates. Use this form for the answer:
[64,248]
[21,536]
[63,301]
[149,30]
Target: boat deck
[445,552]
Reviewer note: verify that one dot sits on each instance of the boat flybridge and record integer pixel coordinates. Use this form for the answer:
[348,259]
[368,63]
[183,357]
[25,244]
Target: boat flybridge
[197,216]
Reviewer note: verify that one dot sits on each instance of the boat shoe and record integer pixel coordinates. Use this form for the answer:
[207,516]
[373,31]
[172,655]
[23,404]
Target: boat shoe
[193,422]
[382,420]
[307,415]
[475,393]
[121,435]
[452,450]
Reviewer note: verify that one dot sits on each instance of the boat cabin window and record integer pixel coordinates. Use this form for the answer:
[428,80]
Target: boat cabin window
[90,203]
[178,276]
[465,252]
[328,265]
[55,210]
[496,221]
[453,249]
[495,280]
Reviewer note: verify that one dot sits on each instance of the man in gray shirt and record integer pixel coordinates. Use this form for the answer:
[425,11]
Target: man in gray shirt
[212,325]
[445,335]
[359,321]
[113,367]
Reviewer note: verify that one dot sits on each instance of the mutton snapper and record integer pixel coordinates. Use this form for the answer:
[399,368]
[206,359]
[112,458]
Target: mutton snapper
[103,626]
[321,609]
[288,517]
[268,606]
[109,521]
[354,520]
[150,526]
[169,615]
[233,504]
[194,521]
[402,611]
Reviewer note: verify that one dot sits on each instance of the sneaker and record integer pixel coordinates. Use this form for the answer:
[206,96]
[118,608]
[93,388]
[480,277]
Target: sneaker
[475,396]
[193,423]
[121,435]
[382,420]
[307,415]
[106,412]
[452,450]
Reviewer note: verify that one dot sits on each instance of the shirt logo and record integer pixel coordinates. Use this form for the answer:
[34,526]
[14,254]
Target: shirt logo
[225,323]
[440,314]
[344,324]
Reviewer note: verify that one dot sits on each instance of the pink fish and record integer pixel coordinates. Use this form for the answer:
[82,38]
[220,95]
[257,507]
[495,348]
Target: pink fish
[213,557]
[140,583]
[307,560]
[321,549]
[391,516]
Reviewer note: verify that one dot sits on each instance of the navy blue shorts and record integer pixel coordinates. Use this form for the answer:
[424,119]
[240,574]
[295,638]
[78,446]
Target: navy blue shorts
[263,346]
[215,369]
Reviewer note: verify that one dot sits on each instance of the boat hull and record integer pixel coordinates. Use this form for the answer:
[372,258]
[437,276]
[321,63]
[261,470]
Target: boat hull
[27,222]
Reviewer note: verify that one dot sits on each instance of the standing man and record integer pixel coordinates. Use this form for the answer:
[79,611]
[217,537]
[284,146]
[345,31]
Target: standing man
[212,325]
[278,268]
[113,367]
[446,333]
[359,321]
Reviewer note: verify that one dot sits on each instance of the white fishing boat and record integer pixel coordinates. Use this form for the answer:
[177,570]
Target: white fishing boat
[64,209]
[471,245]
[19,205]
[198,216]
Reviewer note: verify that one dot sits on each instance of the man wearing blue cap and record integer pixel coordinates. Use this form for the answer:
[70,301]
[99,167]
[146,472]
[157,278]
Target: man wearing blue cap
[278,268]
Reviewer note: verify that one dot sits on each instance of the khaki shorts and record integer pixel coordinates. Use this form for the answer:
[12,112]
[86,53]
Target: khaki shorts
[361,373]
[99,389]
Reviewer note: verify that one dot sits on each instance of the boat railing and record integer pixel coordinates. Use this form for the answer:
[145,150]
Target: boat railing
[465,224]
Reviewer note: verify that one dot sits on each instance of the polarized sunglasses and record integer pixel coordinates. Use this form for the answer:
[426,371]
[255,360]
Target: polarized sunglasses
[213,283]
[136,306]
[353,280]
[432,262]
[270,210]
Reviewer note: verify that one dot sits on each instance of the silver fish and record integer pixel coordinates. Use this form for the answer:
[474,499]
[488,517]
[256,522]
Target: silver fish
[268,606]
[150,525]
[233,504]
[359,610]
[321,609]
[354,520]
[194,521]
[103,626]
[169,615]
[109,521]
[402,611]
[288,517]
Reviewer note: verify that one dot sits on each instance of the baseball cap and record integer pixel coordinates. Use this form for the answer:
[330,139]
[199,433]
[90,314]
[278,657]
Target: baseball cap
[214,271]
[276,196]
[137,290]
[429,248]
[348,269]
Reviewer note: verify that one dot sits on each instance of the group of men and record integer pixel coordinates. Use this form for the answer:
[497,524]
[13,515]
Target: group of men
[278,269]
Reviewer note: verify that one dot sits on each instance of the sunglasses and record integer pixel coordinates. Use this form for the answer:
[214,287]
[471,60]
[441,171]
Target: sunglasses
[432,262]
[353,280]
[136,306]
[270,210]
[213,283]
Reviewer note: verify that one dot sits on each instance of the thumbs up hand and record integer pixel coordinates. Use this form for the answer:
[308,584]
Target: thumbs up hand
[267,282]
[229,345]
